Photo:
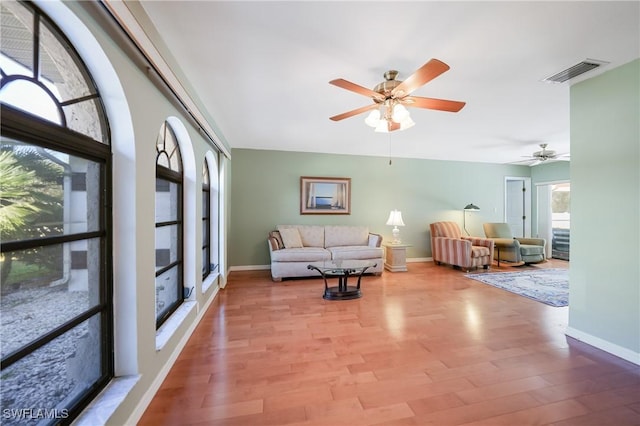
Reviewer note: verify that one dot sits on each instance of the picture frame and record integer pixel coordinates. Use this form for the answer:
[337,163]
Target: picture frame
[325,195]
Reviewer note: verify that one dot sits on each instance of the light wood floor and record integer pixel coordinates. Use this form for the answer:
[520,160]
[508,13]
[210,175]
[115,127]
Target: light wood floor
[424,347]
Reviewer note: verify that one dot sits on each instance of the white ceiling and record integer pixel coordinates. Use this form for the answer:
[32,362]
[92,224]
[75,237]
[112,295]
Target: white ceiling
[262,69]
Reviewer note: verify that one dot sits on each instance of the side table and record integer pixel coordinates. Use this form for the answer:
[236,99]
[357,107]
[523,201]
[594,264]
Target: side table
[395,257]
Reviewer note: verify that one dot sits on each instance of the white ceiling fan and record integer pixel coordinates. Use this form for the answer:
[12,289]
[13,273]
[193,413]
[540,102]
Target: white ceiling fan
[543,156]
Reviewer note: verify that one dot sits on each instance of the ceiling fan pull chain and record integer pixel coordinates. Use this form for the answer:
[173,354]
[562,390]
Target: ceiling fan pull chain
[389,148]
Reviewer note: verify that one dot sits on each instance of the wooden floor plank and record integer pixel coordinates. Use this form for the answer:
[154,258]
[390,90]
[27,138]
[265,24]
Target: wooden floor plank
[423,347]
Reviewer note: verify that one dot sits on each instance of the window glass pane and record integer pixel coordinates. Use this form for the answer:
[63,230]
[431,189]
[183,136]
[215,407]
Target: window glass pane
[205,233]
[167,285]
[46,287]
[167,150]
[17,34]
[205,260]
[84,117]
[163,159]
[46,193]
[205,204]
[65,77]
[64,72]
[31,98]
[166,200]
[54,375]
[205,175]
[167,245]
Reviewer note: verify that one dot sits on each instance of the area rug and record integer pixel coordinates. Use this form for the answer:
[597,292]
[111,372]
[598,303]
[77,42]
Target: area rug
[549,286]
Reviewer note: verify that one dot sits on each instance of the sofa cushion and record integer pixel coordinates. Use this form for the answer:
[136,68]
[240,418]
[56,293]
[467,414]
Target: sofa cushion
[479,251]
[278,239]
[336,236]
[291,238]
[311,235]
[528,250]
[355,252]
[303,254]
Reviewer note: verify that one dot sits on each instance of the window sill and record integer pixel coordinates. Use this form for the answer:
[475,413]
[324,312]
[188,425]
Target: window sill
[166,330]
[106,403]
[210,281]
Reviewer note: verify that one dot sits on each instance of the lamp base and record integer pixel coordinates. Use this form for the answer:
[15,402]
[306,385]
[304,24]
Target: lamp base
[396,235]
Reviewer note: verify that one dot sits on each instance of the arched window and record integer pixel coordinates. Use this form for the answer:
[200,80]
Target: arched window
[206,221]
[56,326]
[169,225]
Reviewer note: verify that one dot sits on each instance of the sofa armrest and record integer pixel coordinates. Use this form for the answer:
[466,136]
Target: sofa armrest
[532,241]
[478,241]
[375,240]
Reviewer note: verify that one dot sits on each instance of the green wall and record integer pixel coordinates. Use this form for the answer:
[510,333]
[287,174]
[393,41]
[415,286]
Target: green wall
[605,200]
[550,172]
[265,192]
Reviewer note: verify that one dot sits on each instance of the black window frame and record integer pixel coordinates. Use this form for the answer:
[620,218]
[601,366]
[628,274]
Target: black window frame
[206,221]
[176,177]
[26,127]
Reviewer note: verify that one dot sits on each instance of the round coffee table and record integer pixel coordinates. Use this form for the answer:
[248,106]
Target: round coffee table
[342,269]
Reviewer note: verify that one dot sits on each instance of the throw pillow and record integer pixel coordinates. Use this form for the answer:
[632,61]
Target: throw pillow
[291,238]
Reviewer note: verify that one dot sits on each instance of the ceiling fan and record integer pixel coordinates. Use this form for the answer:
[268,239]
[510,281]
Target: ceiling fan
[388,112]
[542,156]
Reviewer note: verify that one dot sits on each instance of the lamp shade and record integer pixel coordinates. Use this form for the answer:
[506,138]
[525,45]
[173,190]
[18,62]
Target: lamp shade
[395,218]
[471,206]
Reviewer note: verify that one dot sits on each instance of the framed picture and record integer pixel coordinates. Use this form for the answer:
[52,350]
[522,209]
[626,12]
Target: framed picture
[325,195]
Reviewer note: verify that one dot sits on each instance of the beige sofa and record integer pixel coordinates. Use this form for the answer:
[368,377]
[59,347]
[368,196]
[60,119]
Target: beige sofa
[293,247]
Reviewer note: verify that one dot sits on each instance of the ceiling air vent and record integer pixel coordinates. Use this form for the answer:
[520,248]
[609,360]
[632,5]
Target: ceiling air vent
[576,70]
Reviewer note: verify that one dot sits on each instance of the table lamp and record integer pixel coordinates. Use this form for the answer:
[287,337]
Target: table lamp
[395,220]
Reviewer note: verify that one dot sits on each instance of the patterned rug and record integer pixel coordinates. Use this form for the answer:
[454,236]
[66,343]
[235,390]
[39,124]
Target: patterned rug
[550,286]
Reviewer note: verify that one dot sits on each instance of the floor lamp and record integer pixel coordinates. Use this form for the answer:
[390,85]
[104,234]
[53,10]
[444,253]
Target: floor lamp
[468,208]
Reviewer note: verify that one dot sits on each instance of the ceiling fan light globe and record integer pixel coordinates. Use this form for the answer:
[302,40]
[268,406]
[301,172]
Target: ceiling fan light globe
[373,119]
[400,113]
[407,123]
[382,127]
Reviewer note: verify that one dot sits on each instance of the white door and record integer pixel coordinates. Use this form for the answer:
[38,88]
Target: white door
[518,205]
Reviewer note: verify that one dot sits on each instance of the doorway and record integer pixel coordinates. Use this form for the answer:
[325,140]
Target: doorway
[517,205]
[554,218]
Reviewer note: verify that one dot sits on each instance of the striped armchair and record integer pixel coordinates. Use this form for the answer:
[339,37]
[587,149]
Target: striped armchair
[450,247]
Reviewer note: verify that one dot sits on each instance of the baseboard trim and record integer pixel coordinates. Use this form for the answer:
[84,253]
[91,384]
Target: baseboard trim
[268,267]
[604,345]
[419,259]
[250,268]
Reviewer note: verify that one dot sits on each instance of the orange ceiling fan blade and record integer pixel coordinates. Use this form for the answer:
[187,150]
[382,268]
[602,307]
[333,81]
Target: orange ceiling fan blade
[353,112]
[422,76]
[344,84]
[433,103]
